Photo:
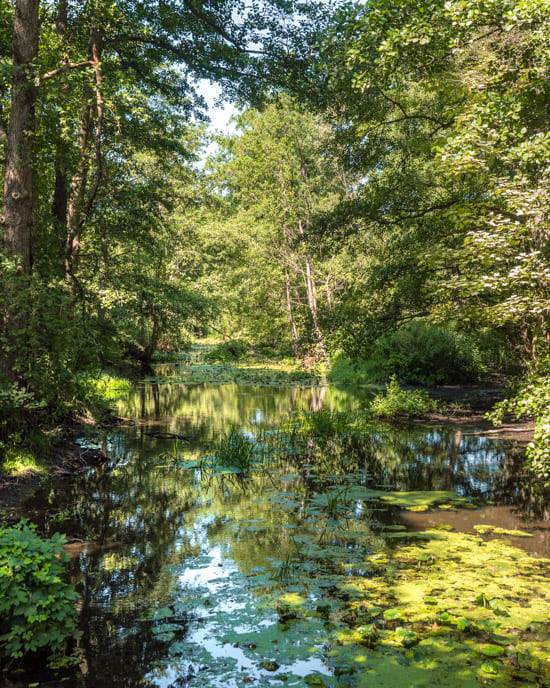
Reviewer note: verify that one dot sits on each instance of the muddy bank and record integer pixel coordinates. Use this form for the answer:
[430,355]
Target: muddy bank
[67,459]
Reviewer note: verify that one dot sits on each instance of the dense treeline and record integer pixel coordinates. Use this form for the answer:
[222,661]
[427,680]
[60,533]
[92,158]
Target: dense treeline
[99,149]
[385,197]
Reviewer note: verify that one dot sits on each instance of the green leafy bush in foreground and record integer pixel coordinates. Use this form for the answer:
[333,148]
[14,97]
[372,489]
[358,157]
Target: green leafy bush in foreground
[37,608]
[401,402]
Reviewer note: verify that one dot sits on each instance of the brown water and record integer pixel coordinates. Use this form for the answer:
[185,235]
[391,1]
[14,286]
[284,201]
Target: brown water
[185,564]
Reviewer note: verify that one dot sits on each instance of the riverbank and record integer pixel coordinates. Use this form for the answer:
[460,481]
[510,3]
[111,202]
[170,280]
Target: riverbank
[465,407]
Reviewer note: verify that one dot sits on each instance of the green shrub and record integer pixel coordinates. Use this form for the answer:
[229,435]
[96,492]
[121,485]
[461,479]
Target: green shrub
[401,402]
[422,353]
[227,351]
[426,354]
[531,398]
[37,608]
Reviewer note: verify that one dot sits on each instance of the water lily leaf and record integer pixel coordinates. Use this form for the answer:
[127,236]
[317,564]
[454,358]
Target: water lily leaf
[491,650]
[406,637]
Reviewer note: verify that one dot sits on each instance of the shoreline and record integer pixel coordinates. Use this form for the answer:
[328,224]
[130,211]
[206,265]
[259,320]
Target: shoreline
[467,407]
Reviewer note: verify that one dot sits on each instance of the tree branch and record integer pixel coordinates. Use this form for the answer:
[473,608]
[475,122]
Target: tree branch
[66,67]
[213,25]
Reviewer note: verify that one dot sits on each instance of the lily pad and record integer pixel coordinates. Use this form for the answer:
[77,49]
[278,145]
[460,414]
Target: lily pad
[491,650]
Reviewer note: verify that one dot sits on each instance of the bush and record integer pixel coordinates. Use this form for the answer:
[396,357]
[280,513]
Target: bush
[401,402]
[422,353]
[426,354]
[37,608]
[531,398]
[227,351]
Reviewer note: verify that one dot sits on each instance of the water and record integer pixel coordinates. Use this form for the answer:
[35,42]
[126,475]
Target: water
[194,573]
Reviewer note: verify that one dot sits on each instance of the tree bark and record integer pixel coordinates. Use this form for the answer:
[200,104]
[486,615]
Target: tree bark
[60,192]
[312,299]
[79,205]
[293,331]
[17,220]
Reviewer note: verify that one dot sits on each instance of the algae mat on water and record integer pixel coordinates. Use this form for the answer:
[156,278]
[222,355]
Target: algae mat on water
[452,611]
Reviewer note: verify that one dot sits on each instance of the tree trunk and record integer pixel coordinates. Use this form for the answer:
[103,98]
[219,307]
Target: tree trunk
[18,179]
[79,205]
[312,300]
[293,331]
[60,192]
[16,221]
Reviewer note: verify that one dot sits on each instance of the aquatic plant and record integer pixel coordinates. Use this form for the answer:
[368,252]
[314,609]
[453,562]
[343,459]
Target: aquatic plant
[327,423]
[236,451]
[400,402]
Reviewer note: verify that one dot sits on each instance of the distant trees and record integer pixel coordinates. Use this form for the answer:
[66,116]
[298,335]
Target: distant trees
[281,178]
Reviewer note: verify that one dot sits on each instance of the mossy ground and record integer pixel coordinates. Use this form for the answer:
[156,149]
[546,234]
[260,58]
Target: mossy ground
[451,610]
[21,462]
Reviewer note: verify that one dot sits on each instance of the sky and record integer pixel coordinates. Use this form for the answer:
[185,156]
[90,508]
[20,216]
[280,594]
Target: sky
[220,115]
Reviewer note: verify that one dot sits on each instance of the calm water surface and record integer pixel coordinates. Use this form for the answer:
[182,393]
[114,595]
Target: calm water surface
[190,570]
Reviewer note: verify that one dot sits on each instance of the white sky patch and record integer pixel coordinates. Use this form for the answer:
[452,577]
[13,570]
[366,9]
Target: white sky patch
[219,111]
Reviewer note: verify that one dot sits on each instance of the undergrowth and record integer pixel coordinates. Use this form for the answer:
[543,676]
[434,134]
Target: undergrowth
[531,398]
[37,608]
[403,402]
[425,354]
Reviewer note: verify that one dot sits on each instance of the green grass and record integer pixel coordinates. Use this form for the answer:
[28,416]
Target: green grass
[18,462]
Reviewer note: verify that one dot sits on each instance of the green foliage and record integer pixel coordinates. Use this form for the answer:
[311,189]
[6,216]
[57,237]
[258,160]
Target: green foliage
[400,402]
[422,353]
[531,398]
[101,388]
[325,422]
[347,371]
[227,351]
[18,460]
[235,451]
[428,354]
[37,608]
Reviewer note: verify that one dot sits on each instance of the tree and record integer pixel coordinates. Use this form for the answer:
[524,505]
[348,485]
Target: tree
[282,178]
[92,86]
[443,108]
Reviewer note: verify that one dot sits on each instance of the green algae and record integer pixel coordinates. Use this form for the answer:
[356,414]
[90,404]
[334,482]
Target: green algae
[449,643]
[251,373]
[420,500]
[495,530]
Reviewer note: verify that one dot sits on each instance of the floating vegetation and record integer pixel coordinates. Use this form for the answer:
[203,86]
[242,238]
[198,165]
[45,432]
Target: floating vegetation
[495,530]
[477,600]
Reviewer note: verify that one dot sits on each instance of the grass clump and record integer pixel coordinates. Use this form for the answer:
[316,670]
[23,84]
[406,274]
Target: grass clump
[18,462]
[400,402]
[235,451]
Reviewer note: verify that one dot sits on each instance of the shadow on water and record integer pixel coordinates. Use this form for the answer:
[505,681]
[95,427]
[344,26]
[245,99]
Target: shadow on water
[179,556]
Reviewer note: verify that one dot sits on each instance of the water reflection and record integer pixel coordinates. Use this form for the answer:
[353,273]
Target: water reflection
[178,565]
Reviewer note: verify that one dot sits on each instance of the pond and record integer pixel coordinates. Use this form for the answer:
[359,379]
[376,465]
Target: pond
[214,546]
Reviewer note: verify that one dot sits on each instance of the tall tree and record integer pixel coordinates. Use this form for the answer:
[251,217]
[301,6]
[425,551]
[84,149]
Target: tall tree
[121,77]
[283,178]
[17,218]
